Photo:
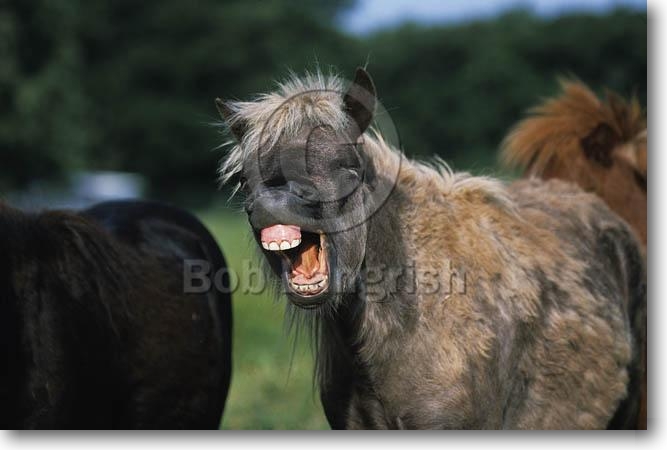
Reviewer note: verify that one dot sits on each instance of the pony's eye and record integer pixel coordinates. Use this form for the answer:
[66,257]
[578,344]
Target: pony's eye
[349,166]
[352,169]
[351,160]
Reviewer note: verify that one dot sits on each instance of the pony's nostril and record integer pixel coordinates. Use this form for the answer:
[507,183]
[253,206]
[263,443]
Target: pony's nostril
[276,181]
[301,190]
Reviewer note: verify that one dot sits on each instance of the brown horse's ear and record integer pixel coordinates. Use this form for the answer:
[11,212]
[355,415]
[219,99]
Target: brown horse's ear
[237,127]
[599,143]
[360,98]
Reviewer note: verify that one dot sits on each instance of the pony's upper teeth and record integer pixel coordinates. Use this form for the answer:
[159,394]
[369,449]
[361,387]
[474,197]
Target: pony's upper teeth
[282,245]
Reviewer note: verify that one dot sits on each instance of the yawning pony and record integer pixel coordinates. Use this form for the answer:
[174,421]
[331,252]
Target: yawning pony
[440,300]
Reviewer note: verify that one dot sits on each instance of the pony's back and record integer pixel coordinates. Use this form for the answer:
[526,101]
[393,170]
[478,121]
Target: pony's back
[599,145]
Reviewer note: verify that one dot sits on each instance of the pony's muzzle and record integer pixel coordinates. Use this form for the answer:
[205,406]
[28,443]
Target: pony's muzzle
[273,207]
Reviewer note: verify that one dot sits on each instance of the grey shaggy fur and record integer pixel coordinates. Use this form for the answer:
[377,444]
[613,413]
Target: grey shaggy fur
[535,324]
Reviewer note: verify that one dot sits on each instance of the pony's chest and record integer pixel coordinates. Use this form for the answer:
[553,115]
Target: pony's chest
[417,408]
[414,393]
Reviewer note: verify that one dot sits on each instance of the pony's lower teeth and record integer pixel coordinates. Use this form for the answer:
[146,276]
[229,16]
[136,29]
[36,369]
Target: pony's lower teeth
[309,288]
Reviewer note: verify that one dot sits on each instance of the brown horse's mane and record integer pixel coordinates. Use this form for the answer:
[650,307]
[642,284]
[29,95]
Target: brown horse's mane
[577,128]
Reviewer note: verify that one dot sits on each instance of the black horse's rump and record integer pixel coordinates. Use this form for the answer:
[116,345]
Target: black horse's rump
[97,329]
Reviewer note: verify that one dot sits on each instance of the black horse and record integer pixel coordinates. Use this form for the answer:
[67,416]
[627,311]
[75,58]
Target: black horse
[97,329]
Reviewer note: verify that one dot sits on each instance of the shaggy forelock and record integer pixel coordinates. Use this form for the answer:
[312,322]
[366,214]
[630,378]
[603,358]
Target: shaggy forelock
[317,99]
[298,102]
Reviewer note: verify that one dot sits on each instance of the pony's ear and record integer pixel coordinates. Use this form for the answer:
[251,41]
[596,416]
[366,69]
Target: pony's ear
[237,127]
[359,100]
[599,143]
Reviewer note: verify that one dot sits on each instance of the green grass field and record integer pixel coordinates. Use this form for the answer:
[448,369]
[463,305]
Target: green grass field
[265,392]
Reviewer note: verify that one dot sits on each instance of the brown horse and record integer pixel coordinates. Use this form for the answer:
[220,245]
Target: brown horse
[599,145]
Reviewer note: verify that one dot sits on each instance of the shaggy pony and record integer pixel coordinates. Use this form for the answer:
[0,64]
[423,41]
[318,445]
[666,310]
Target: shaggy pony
[458,301]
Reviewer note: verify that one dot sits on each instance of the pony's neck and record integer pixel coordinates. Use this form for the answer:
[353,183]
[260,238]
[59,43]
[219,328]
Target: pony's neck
[387,293]
[384,303]
[383,306]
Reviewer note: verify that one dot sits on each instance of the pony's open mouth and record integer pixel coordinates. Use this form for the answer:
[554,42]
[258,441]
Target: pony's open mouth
[304,258]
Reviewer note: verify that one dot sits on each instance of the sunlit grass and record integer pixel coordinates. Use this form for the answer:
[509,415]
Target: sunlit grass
[265,393]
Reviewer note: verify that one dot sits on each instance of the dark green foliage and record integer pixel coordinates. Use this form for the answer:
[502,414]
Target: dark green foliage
[129,85]
[456,91]
[44,123]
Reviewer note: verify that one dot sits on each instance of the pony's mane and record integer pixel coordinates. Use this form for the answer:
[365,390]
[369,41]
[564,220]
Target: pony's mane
[317,99]
[425,179]
[554,130]
[314,99]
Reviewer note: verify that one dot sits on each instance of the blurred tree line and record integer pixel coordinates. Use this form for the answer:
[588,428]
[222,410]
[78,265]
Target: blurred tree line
[126,85]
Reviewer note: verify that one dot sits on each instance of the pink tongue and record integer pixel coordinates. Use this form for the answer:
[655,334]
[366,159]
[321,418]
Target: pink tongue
[280,233]
[300,278]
